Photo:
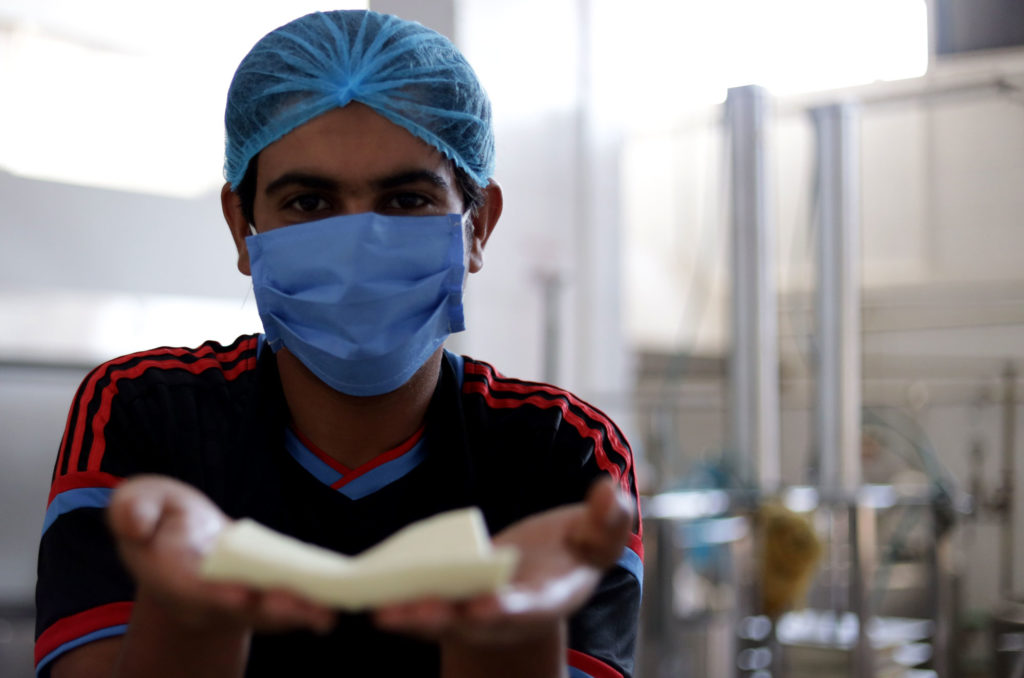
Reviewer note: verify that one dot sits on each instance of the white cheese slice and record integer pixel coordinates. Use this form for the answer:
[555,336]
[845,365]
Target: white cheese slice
[447,556]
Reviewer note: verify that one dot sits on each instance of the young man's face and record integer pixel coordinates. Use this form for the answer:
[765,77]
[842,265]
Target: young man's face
[352,160]
[346,161]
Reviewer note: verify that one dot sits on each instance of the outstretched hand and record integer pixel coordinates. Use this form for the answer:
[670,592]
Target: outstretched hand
[163,528]
[563,553]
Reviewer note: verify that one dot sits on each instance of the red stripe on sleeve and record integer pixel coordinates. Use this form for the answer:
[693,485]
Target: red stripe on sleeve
[65,441]
[591,666]
[209,360]
[212,360]
[88,392]
[490,374]
[77,625]
[80,479]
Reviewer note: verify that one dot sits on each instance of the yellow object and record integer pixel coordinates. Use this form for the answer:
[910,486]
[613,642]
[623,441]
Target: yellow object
[789,552]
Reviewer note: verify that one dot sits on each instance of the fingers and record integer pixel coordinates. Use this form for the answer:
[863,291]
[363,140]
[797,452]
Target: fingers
[139,505]
[563,552]
[144,508]
[599,537]
[163,528]
[608,505]
[135,509]
[280,610]
[429,618]
[487,619]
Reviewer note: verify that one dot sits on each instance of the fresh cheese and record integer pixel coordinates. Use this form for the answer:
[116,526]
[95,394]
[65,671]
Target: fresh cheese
[448,556]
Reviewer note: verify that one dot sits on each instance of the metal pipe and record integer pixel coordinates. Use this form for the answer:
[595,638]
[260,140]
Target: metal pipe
[945,604]
[1008,503]
[862,545]
[837,365]
[837,301]
[753,435]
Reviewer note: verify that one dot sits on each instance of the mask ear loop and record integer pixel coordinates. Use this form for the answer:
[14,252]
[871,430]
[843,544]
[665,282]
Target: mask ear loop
[466,229]
[252,230]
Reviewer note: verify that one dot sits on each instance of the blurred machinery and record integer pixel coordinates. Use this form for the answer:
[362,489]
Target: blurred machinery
[1008,619]
[730,573]
[698,548]
[872,562]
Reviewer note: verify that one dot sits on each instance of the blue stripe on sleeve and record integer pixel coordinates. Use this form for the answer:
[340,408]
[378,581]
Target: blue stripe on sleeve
[576,673]
[69,500]
[108,632]
[632,563]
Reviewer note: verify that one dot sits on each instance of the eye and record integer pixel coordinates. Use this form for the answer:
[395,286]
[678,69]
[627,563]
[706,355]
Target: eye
[308,202]
[406,201]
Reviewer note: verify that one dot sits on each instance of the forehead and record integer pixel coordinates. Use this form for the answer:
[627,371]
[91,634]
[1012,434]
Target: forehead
[350,144]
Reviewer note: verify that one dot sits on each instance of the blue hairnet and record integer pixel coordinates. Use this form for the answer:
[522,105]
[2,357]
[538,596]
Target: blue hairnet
[411,75]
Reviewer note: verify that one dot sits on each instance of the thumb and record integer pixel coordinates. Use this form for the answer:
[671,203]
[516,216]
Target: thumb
[601,533]
[135,509]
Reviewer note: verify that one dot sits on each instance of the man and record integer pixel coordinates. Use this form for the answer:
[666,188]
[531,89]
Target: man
[359,196]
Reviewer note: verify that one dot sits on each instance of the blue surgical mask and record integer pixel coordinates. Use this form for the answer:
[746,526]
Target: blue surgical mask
[361,300]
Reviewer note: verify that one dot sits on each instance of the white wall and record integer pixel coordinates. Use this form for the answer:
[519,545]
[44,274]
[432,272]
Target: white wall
[62,236]
[33,410]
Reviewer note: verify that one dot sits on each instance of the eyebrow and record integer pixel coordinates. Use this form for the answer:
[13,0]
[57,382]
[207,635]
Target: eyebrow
[303,179]
[411,177]
[322,183]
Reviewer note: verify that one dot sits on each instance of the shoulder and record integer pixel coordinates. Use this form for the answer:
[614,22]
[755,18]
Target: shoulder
[522,411]
[210,359]
[498,392]
[209,363]
[503,392]
[141,398]
[170,381]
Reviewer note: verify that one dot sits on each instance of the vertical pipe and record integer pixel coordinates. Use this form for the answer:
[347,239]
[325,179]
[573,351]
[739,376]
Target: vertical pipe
[945,605]
[837,301]
[753,436]
[837,360]
[1008,508]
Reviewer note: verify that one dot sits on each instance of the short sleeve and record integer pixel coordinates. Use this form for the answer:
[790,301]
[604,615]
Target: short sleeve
[160,411]
[602,636]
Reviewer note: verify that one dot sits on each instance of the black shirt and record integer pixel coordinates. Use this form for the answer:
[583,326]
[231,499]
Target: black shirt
[215,417]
